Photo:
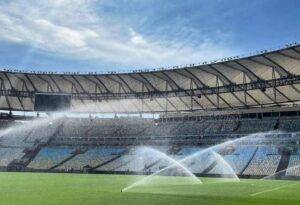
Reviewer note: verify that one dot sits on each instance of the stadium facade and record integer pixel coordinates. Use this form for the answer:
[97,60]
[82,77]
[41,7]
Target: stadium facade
[248,98]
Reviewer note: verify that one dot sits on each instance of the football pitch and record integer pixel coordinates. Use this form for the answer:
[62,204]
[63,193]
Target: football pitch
[88,189]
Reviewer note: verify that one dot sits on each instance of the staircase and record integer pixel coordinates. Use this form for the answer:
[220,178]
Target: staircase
[283,163]
[30,155]
[251,158]
[106,162]
[210,167]
[89,129]
[21,164]
[151,165]
[74,154]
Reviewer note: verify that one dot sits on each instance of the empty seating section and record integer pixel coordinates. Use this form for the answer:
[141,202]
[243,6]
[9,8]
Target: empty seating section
[50,156]
[189,150]
[160,162]
[75,127]
[229,126]
[292,125]
[253,126]
[115,164]
[213,127]
[26,134]
[244,158]
[192,128]
[7,155]
[265,161]
[15,136]
[42,132]
[238,160]
[294,166]
[129,162]
[103,127]
[161,129]
[92,158]
[130,128]
[138,159]
[98,128]
[200,162]
[86,130]
[4,124]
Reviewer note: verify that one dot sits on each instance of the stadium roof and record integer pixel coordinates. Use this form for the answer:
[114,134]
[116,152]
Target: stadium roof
[264,80]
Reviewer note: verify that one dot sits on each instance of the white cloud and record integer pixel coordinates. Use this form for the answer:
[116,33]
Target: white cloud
[62,34]
[71,28]
[137,38]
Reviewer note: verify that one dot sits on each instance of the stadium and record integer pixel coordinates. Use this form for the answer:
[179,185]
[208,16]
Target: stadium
[219,132]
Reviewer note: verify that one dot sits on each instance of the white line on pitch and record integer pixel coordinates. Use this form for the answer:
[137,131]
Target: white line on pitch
[269,190]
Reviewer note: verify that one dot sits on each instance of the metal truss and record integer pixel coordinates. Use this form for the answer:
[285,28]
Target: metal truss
[231,88]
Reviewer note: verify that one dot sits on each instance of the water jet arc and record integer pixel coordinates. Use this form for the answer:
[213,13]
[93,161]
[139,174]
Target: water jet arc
[188,173]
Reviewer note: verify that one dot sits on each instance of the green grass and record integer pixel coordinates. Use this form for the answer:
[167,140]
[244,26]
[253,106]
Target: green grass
[67,189]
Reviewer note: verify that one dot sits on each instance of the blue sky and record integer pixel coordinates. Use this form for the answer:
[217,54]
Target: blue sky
[121,35]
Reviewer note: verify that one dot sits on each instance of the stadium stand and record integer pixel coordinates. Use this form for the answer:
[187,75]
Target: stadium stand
[294,164]
[248,160]
[193,107]
[238,160]
[291,125]
[50,156]
[8,154]
[91,158]
[264,162]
